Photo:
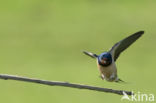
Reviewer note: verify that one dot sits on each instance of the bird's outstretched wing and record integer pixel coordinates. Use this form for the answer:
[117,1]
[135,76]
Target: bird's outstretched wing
[90,54]
[124,44]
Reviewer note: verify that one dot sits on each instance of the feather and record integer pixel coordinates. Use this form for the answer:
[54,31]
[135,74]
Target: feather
[124,44]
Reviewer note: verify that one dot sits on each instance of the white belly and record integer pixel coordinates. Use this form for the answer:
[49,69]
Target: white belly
[108,73]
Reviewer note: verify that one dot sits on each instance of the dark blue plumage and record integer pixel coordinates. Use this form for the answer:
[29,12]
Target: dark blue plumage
[105,59]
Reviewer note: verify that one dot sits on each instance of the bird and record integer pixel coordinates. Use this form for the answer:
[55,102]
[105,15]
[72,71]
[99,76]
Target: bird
[106,61]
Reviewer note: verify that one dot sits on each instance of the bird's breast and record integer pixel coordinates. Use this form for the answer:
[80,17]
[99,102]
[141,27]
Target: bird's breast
[109,72]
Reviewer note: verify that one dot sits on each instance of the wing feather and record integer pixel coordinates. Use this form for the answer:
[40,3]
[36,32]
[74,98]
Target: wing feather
[124,44]
[90,54]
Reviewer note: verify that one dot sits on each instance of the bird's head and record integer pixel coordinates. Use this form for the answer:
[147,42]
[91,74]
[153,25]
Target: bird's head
[105,59]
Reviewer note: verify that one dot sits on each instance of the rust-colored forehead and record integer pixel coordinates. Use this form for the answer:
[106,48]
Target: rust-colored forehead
[105,59]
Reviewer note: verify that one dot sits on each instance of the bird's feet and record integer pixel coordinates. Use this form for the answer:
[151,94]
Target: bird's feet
[102,77]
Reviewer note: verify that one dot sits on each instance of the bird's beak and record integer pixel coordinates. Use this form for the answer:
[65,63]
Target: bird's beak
[104,60]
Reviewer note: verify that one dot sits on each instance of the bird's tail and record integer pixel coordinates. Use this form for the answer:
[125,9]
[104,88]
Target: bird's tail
[120,81]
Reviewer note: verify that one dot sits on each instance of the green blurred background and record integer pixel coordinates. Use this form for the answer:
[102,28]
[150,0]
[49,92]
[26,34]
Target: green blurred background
[45,38]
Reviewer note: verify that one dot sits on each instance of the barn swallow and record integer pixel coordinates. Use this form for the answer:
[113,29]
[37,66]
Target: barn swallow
[106,60]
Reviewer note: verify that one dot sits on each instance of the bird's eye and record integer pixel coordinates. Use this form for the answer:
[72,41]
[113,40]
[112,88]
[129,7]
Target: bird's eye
[104,58]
